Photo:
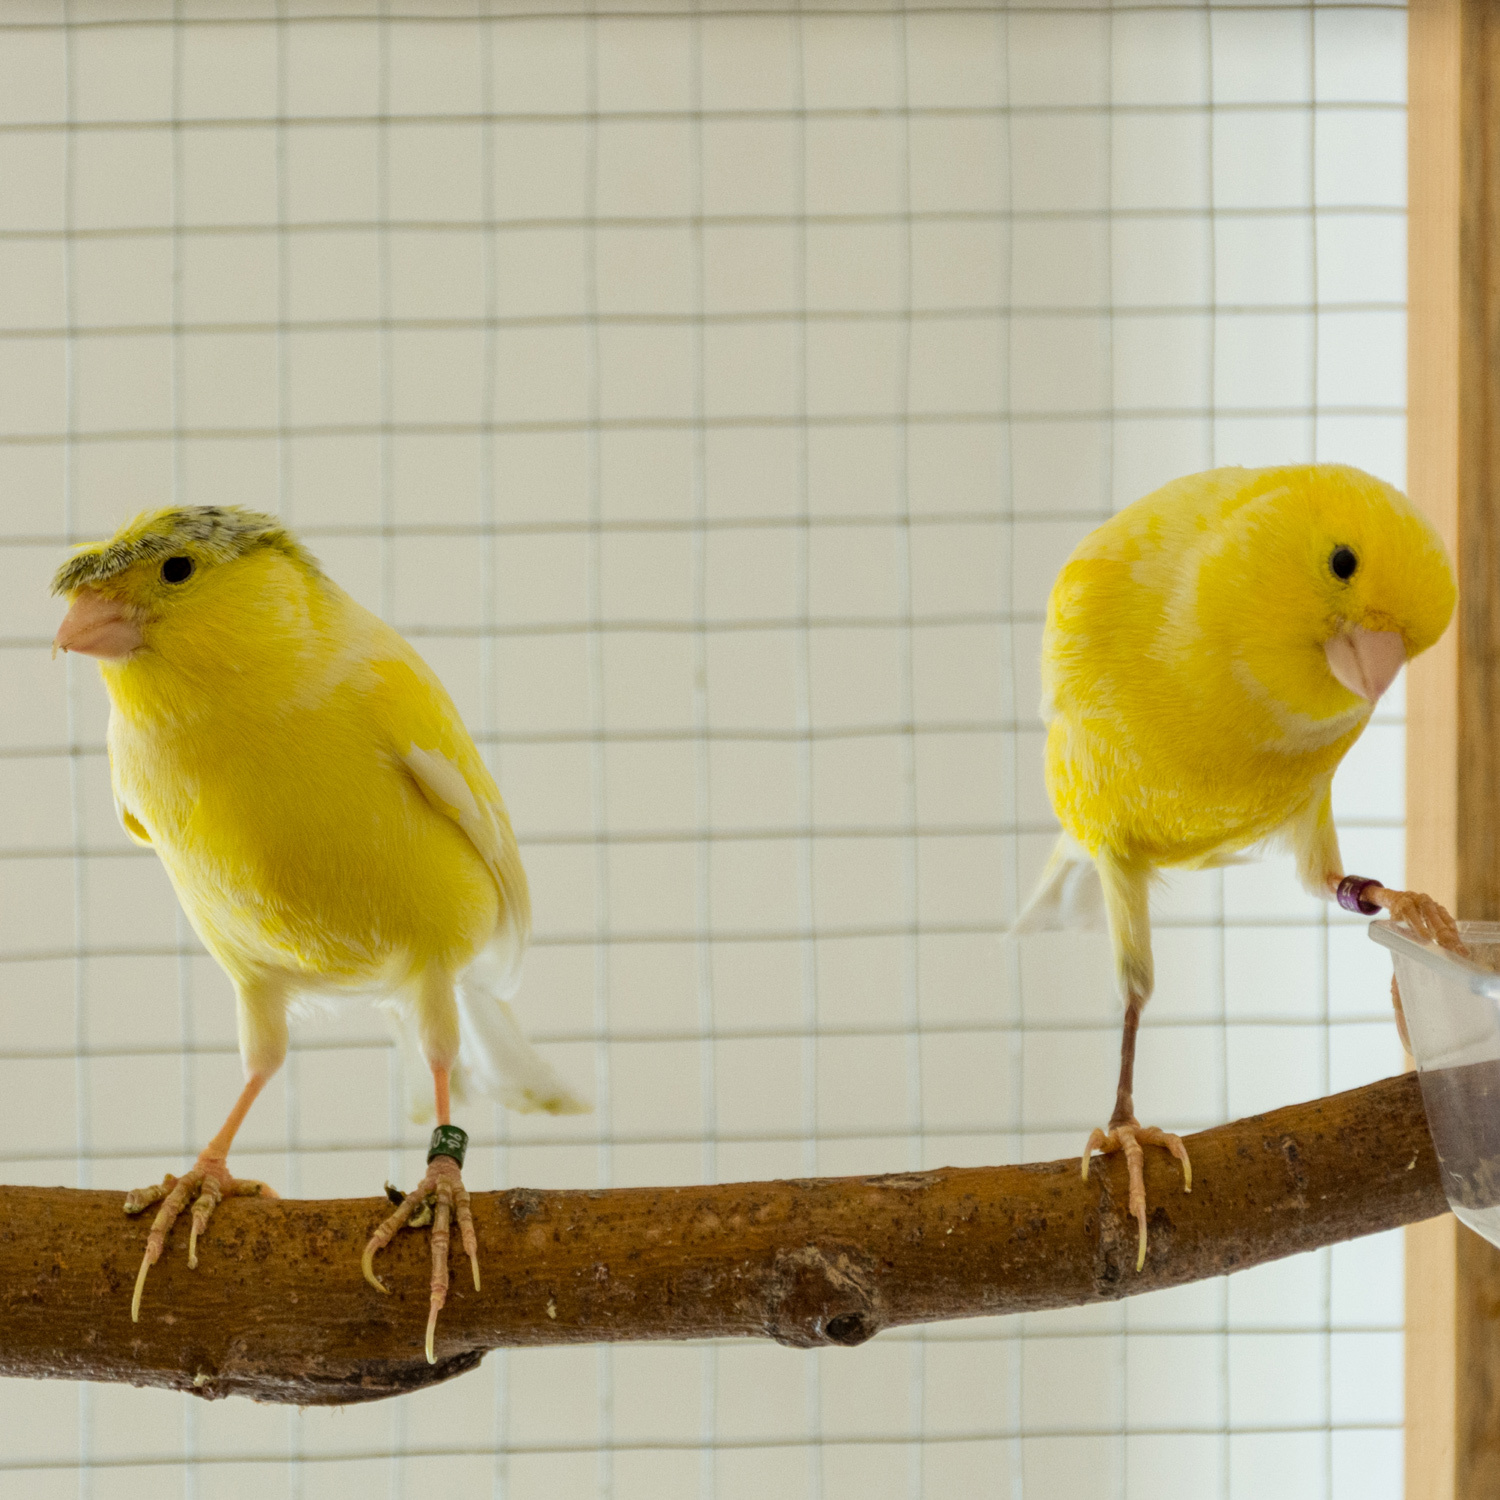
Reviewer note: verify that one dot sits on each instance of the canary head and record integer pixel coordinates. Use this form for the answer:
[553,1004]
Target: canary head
[163,579]
[1321,585]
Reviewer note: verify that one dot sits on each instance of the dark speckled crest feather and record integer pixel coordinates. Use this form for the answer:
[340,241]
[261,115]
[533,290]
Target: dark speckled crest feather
[216,533]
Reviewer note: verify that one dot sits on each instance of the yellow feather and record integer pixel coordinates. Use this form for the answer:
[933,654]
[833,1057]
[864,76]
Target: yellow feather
[1192,710]
[323,814]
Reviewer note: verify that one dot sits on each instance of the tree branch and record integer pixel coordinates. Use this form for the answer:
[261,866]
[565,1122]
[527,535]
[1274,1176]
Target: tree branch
[277,1309]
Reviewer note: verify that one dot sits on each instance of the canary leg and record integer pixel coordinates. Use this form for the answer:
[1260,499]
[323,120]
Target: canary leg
[207,1182]
[443,1188]
[1128,1135]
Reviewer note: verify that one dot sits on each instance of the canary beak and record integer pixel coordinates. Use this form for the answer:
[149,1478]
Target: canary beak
[97,626]
[1366,661]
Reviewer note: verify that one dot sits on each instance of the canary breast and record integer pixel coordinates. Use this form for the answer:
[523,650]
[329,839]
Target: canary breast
[261,754]
[301,844]
[1135,787]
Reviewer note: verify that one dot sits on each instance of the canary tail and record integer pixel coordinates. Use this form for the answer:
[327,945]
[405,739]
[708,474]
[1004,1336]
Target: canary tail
[495,1059]
[1068,895]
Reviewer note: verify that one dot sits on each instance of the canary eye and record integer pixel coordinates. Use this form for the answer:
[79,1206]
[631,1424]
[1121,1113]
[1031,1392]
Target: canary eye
[177,569]
[1343,562]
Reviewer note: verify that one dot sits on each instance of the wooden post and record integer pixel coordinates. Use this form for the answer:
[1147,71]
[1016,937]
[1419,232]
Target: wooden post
[1453,735]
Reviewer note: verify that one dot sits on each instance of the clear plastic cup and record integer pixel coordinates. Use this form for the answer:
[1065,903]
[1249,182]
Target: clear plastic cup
[1452,1007]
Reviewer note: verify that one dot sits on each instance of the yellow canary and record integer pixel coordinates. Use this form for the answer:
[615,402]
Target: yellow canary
[1210,655]
[325,819]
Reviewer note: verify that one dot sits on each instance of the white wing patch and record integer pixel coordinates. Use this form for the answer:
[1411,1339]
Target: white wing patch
[447,792]
[443,785]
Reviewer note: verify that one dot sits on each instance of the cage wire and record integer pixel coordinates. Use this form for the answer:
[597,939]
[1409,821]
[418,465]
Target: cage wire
[710,393]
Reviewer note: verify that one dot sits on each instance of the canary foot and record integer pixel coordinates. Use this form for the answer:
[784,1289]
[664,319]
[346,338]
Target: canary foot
[1129,1135]
[441,1193]
[210,1177]
[1421,914]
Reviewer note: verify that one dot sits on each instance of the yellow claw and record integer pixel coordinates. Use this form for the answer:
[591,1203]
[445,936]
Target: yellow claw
[1140,1259]
[140,1286]
[367,1265]
[432,1318]
[1097,1139]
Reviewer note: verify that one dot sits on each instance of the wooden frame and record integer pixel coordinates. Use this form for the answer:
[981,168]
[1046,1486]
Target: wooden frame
[1453,754]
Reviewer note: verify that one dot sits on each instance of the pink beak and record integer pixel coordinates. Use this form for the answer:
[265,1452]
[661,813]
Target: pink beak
[97,626]
[1366,661]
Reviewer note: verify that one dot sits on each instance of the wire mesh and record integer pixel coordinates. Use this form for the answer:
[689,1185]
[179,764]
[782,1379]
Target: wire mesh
[710,393]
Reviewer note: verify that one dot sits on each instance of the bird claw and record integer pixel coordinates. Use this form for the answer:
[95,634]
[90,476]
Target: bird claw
[210,1196]
[213,1181]
[1129,1135]
[439,1196]
[1426,918]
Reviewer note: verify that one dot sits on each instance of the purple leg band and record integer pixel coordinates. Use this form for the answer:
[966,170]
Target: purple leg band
[1351,895]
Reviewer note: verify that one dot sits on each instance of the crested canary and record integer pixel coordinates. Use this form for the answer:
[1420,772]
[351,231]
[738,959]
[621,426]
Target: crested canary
[1210,654]
[325,819]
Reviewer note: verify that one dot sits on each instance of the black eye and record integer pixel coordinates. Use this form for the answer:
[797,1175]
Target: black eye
[179,569]
[1343,562]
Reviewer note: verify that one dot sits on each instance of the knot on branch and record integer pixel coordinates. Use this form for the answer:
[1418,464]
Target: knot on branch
[822,1295]
[525,1204]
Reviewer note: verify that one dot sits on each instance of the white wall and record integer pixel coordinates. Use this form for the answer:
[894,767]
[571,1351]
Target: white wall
[711,397]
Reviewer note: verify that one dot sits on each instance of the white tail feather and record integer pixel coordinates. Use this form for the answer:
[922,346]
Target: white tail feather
[495,1061]
[497,968]
[1068,894]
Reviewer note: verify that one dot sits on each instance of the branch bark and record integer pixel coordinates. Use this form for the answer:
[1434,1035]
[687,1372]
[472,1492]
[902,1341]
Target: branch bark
[277,1309]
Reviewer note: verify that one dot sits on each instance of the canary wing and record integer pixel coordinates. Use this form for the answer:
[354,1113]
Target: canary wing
[131,824]
[451,793]
[128,820]
[429,739]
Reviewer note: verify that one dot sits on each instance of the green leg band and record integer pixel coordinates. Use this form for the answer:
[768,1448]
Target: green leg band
[449,1140]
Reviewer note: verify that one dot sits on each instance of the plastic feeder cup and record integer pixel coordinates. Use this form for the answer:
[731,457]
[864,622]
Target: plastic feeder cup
[1452,1007]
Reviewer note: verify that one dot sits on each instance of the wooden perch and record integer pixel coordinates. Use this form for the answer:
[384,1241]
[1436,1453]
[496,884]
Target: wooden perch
[278,1311]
